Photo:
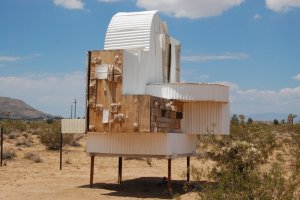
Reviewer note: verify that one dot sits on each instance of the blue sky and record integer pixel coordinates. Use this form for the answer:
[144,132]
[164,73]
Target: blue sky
[251,45]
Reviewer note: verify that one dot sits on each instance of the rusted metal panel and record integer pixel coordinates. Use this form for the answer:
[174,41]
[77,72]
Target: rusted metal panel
[73,125]
[205,118]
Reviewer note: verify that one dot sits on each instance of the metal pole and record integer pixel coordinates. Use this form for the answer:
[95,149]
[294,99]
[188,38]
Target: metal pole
[75,108]
[92,171]
[169,188]
[1,145]
[60,151]
[71,111]
[120,171]
[188,169]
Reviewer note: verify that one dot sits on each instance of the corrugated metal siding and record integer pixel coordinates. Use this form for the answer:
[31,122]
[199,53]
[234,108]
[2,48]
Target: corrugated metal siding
[189,91]
[160,144]
[129,31]
[73,125]
[205,117]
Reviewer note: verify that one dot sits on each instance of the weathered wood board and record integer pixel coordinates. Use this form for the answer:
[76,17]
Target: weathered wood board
[110,111]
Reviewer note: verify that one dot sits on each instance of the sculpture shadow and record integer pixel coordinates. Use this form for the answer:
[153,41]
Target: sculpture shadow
[144,187]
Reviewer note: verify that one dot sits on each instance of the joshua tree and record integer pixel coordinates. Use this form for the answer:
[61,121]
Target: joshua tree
[291,118]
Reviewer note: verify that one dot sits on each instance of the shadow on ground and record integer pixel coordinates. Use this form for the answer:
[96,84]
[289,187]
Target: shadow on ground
[143,187]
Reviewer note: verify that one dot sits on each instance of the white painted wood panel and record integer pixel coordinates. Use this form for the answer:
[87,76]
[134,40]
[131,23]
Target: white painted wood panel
[73,125]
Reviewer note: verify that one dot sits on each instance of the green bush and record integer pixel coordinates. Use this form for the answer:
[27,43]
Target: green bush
[50,137]
[237,173]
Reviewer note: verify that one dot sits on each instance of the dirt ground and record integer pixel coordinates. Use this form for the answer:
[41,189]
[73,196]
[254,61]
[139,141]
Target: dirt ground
[21,178]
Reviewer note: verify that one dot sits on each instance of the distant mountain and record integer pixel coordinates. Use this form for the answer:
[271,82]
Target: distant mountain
[271,117]
[18,109]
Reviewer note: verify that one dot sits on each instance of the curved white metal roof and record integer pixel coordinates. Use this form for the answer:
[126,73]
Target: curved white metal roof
[130,30]
[189,91]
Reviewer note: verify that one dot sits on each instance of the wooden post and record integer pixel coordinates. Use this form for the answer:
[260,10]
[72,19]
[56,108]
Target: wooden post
[1,145]
[92,171]
[120,171]
[188,169]
[169,188]
[60,151]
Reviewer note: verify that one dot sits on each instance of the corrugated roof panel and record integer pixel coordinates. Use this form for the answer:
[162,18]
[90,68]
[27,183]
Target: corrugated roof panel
[155,144]
[129,31]
[189,91]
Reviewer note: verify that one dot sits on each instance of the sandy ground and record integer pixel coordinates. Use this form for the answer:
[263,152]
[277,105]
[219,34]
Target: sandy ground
[21,178]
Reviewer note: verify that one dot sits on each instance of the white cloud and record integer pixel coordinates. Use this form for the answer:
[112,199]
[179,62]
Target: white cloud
[70,4]
[189,8]
[9,58]
[206,57]
[5,58]
[50,93]
[109,1]
[254,101]
[282,5]
[297,77]
[204,76]
[257,17]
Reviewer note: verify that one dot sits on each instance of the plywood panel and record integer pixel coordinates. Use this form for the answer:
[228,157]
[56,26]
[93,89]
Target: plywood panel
[144,113]
[107,92]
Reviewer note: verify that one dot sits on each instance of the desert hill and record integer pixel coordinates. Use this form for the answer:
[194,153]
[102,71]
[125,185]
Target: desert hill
[18,109]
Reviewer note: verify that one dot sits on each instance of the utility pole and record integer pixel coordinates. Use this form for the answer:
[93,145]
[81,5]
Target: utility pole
[75,108]
[71,111]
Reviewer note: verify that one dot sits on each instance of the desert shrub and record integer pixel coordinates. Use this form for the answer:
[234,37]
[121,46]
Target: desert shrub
[8,153]
[13,135]
[239,156]
[50,137]
[237,176]
[291,128]
[275,122]
[237,173]
[25,142]
[34,157]
[13,125]
[49,121]
[260,135]
[250,121]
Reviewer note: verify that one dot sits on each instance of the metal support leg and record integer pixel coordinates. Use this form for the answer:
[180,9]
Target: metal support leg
[120,171]
[169,176]
[188,169]
[92,171]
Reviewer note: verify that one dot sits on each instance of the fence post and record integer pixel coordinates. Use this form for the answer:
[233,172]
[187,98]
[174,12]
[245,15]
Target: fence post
[1,145]
[60,151]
